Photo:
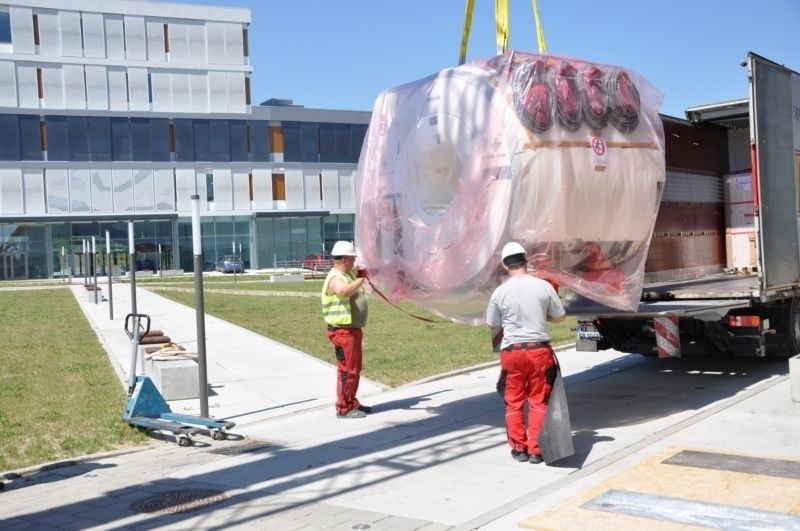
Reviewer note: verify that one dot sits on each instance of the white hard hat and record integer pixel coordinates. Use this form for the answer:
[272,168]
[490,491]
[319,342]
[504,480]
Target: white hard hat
[343,248]
[512,248]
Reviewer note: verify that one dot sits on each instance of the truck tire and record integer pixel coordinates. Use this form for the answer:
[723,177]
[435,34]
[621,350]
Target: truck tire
[794,327]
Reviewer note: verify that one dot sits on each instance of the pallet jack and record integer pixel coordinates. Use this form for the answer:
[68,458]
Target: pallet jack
[147,409]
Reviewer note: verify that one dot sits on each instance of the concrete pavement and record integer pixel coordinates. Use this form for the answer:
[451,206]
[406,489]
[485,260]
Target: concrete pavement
[432,456]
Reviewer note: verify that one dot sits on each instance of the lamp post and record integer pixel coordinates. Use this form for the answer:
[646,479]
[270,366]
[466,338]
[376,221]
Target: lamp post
[132,266]
[94,267]
[199,309]
[108,270]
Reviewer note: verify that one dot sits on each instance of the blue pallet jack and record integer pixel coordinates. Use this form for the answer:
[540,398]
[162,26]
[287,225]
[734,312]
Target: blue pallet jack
[146,407]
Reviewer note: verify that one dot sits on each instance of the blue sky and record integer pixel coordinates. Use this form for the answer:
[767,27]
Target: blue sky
[339,54]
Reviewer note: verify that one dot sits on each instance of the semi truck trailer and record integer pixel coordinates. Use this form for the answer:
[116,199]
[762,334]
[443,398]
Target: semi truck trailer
[722,275]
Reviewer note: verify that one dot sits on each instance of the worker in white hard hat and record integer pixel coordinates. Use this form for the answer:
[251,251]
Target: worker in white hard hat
[344,308]
[522,306]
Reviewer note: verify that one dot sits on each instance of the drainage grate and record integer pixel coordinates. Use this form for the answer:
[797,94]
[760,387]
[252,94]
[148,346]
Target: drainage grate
[243,448]
[179,501]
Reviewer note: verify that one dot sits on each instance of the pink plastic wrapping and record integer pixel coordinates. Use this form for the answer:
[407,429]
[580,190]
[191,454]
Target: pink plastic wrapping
[564,156]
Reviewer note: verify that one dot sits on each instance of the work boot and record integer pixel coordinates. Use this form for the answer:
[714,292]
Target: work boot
[352,414]
[365,409]
[519,455]
[535,459]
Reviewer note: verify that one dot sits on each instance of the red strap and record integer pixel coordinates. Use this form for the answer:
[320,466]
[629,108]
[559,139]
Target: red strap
[382,296]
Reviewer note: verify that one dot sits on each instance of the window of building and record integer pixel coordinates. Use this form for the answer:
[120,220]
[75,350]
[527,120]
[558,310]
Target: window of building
[120,139]
[159,139]
[9,137]
[201,130]
[78,138]
[278,187]
[5,26]
[309,141]
[220,141]
[292,144]
[259,143]
[140,139]
[334,143]
[57,137]
[30,137]
[100,139]
[184,140]
[275,139]
[357,134]
[238,141]
[210,187]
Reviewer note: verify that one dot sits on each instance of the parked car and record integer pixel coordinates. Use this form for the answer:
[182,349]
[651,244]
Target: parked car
[318,261]
[230,264]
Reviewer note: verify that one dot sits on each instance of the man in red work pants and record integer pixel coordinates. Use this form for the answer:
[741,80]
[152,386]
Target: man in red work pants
[522,306]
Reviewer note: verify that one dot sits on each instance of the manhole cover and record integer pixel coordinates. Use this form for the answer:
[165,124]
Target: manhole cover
[244,448]
[179,501]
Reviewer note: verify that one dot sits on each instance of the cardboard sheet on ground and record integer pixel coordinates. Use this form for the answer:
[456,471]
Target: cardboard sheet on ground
[555,439]
[563,155]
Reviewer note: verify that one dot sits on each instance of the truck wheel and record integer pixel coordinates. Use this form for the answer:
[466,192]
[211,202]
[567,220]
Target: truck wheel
[794,327]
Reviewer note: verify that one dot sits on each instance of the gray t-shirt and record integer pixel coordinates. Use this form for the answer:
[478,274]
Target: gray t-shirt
[521,305]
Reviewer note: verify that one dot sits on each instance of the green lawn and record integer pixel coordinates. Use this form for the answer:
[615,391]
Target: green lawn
[59,396]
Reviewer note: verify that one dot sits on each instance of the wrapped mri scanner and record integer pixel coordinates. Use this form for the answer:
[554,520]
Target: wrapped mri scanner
[564,156]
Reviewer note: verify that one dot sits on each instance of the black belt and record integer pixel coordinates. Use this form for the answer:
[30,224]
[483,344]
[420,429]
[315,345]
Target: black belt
[528,346]
[332,328]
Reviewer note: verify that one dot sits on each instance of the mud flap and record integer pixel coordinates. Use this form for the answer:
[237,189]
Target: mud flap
[555,439]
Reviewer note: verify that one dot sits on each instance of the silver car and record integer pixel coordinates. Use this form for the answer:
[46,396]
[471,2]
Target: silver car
[230,264]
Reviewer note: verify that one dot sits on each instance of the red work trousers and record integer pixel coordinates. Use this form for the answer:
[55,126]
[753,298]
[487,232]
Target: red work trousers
[347,345]
[523,376]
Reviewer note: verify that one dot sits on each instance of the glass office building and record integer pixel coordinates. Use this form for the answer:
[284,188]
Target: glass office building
[121,110]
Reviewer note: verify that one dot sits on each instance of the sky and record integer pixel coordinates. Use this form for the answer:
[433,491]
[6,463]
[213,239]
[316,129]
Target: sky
[340,54]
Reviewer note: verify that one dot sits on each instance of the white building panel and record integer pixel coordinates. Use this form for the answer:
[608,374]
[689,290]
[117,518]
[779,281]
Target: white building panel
[135,38]
[241,190]
[294,189]
[138,90]
[74,87]
[181,92]
[234,44]
[102,197]
[94,35]
[22,29]
[262,189]
[156,51]
[199,87]
[196,37]
[71,39]
[123,190]
[330,189]
[115,36]
[218,91]
[312,189]
[160,81]
[165,190]
[8,84]
[215,32]
[49,37]
[144,190]
[80,195]
[178,42]
[57,191]
[184,188]
[223,191]
[117,89]
[96,87]
[27,85]
[53,86]
[33,184]
[236,96]
[11,191]
[346,190]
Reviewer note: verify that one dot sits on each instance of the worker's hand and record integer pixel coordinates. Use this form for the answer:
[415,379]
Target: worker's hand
[361,273]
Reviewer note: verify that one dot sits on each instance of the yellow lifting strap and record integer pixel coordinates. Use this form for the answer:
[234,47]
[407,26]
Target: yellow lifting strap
[501,28]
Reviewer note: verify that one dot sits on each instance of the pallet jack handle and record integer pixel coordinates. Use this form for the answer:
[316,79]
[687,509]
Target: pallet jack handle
[133,328]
